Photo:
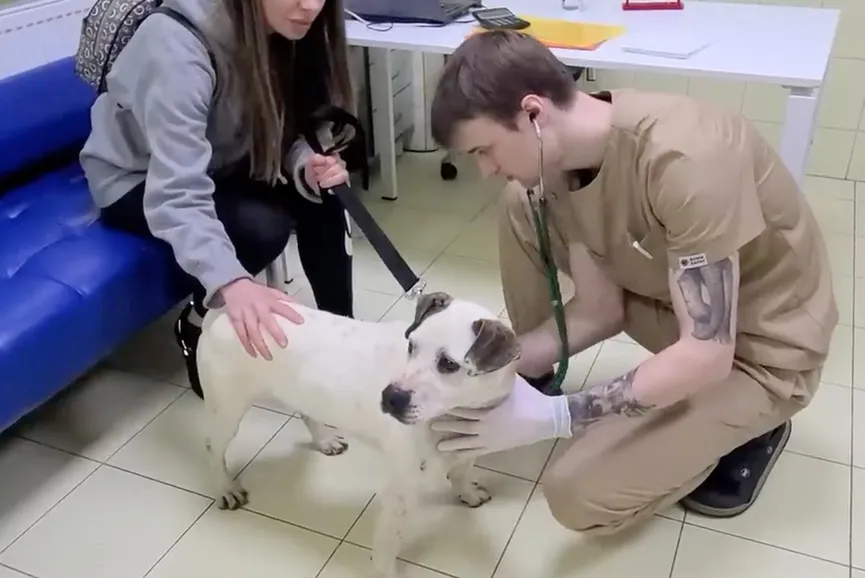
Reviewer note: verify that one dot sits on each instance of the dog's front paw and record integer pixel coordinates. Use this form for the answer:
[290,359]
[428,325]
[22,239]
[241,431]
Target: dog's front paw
[474,495]
[234,499]
[332,445]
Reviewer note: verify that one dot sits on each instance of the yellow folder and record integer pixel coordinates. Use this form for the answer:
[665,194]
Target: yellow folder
[567,33]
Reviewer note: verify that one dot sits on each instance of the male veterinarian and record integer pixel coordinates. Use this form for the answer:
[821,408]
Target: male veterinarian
[679,225]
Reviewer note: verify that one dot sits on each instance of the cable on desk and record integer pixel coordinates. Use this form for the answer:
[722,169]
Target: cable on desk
[387,26]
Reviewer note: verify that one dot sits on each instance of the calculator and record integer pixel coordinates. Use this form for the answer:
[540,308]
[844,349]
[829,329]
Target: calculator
[499,19]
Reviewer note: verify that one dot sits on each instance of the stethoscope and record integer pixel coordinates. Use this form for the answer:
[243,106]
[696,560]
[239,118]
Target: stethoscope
[538,203]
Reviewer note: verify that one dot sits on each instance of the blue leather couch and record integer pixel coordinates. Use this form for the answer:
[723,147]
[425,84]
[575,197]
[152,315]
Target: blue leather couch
[71,290]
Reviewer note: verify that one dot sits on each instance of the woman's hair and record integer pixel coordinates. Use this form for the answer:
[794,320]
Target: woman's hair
[281,82]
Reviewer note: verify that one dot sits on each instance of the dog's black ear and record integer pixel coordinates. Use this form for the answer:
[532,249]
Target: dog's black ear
[427,305]
[496,345]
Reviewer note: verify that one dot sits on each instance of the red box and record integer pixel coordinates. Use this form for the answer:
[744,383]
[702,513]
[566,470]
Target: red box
[659,5]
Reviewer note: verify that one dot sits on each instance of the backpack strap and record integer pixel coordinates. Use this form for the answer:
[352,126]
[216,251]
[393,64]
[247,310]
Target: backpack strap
[187,23]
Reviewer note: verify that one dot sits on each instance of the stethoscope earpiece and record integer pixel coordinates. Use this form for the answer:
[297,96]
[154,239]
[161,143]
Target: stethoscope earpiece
[533,118]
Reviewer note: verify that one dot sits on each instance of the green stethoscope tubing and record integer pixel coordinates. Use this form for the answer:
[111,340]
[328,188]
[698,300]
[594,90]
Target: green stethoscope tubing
[538,203]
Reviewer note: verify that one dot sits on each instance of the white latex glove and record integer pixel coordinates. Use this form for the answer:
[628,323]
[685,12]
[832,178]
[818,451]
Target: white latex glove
[525,417]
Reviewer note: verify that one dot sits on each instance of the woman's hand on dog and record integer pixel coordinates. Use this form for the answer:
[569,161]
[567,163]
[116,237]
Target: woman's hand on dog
[325,172]
[251,306]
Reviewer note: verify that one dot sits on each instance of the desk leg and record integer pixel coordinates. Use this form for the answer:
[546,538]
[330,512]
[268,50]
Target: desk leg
[381,93]
[798,131]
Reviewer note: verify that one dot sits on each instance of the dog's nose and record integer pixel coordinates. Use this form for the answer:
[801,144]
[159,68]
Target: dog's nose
[394,400]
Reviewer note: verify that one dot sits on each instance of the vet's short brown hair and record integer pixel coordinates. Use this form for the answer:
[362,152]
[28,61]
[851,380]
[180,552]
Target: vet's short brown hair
[489,75]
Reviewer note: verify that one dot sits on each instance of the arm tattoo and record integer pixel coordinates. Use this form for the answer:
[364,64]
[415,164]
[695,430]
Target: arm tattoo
[616,397]
[708,295]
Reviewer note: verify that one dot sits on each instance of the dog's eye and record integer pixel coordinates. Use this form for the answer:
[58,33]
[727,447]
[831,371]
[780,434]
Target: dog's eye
[447,365]
[410,347]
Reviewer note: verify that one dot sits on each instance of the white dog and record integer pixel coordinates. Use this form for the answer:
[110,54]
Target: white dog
[380,383]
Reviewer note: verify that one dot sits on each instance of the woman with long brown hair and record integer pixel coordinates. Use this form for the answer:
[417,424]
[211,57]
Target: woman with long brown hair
[197,144]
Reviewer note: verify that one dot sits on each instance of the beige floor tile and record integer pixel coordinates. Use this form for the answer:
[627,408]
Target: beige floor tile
[468,279]
[422,188]
[114,525]
[291,481]
[624,338]
[403,310]
[845,288]
[849,41]
[859,303]
[526,462]
[857,573]
[10,573]
[34,479]
[153,352]
[659,82]
[615,359]
[352,561]
[372,274]
[100,413]
[782,510]
[858,511]
[860,210]
[449,537]
[421,229]
[841,249]
[727,93]
[831,152]
[706,554]
[172,448]
[824,429]
[835,216]
[234,544]
[764,102]
[857,159]
[541,547]
[579,367]
[860,256]
[859,428]
[859,358]
[824,187]
[479,240]
[838,368]
[843,94]
[372,305]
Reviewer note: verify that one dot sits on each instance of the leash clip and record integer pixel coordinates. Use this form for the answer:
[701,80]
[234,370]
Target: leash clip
[417,290]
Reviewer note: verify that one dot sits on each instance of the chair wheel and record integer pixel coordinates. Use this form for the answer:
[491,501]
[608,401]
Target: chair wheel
[448,171]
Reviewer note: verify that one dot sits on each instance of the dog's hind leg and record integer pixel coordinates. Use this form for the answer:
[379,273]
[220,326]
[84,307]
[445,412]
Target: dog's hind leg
[223,421]
[326,439]
[465,484]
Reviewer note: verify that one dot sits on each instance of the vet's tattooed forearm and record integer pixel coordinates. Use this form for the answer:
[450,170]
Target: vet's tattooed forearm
[708,295]
[614,398]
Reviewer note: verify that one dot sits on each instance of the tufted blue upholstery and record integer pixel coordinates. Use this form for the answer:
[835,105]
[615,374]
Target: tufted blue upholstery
[71,290]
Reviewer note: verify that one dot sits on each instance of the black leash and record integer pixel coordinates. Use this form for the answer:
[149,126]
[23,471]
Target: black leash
[345,128]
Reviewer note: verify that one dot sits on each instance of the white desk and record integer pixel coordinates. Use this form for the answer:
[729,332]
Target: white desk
[754,43]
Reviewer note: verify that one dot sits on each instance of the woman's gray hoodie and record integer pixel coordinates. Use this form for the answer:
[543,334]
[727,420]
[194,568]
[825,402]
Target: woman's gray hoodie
[159,120]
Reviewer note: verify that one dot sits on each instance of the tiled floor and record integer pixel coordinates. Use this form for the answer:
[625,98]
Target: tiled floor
[109,481]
